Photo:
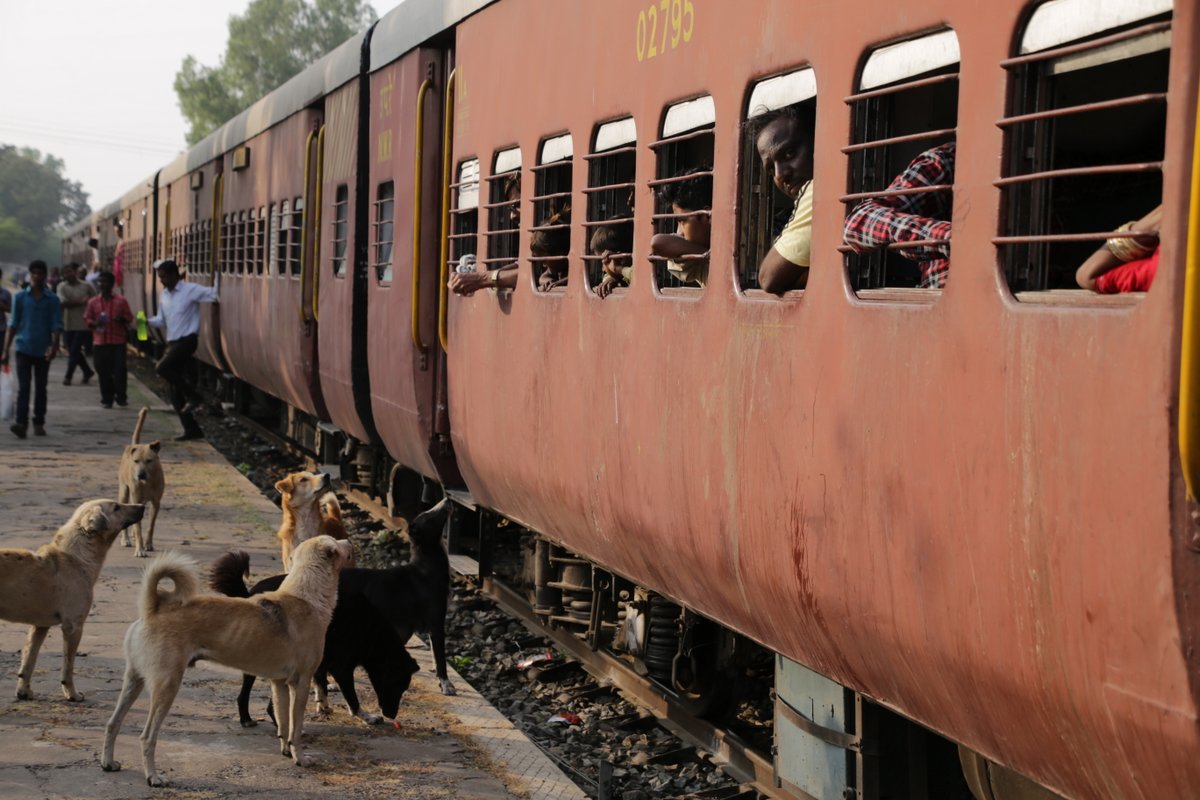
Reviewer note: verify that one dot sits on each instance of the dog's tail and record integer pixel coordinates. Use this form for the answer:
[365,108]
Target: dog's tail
[229,572]
[181,570]
[137,429]
[330,507]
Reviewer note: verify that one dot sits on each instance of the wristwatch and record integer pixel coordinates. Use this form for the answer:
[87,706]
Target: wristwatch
[495,276]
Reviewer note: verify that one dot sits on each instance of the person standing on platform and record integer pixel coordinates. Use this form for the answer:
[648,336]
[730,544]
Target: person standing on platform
[109,315]
[5,307]
[179,313]
[74,295]
[36,326]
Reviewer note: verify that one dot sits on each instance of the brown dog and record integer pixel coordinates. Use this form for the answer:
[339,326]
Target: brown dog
[301,498]
[279,635]
[141,477]
[53,586]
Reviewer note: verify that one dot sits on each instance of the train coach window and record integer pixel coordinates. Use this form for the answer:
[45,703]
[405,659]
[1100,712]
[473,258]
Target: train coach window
[341,212]
[260,239]
[464,216]
[612,168]
[683,196]
[550,234]
[385,212]
[766,202]
[1084,141]
[226,240]
[295,228]
[903,123]
[504,209]
[276,238]
[240,244]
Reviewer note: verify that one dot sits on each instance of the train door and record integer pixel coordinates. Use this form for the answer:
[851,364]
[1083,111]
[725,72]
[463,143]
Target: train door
[403,206]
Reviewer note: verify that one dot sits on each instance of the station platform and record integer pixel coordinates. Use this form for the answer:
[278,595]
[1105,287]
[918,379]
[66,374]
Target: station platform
[441,747]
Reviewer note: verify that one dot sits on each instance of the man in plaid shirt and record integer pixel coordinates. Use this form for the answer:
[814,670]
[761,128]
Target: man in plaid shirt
[916,217]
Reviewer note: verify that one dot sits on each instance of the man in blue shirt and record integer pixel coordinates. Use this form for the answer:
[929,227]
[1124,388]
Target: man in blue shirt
[179,313]
[36,325]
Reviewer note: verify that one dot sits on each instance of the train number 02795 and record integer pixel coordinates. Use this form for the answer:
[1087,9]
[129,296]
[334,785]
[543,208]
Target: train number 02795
[674,17]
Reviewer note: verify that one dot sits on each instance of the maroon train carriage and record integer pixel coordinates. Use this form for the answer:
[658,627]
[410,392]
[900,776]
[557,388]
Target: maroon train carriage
[133,246]
[966,504]
[961,510]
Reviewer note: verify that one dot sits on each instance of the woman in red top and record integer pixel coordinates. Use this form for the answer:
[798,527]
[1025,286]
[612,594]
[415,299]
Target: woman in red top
[108,315]
[1127,264]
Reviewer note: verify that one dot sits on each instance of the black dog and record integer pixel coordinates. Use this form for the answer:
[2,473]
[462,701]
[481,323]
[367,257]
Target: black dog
[358,635]
[413,596]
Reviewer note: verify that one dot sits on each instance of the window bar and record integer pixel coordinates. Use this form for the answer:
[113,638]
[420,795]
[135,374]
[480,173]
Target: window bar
[616,151]
[679,178]
[608,187]
[1083,47]
[900,87]
[851,198]
[1103,105]
[1071,237]
[911,137]
[1103,169]
[683,137]
[596,223]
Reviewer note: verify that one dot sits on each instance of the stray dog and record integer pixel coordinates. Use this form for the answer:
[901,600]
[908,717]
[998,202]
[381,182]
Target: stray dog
[278,635]
[358,636]
[302,495]
[53,586]
[142,481]
[413,596]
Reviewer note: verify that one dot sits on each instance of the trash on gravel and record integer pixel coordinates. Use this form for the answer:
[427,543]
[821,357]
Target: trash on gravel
[564,719]
[536,658]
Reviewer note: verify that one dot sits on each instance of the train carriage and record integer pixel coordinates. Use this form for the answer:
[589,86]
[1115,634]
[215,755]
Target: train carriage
[965,510]
[965,504]
[134,227]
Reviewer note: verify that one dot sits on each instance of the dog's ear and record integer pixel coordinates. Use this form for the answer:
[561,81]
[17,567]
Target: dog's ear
[285,486]
[156,445]
[96,521]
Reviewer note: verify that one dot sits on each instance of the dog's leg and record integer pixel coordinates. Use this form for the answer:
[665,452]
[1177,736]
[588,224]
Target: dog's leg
[71,634]
[123,497]
[437,637]
[321,687]
[299,698]
[162,695]
[243,702]
[150,534]
[130,691]
[29,654]
[283,705]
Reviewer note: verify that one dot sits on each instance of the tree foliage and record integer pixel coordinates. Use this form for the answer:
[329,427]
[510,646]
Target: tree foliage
[36,200]
[268,44]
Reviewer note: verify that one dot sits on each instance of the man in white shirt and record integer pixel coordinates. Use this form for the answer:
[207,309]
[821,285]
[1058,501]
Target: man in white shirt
[179,313]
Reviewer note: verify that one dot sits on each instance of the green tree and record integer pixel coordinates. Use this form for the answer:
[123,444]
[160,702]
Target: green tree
[271,42]
[36,200]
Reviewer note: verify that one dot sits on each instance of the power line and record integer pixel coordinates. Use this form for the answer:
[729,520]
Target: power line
[134,147]
[75,130]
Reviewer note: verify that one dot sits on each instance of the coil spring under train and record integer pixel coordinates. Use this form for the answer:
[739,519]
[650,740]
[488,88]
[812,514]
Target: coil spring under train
[662,638]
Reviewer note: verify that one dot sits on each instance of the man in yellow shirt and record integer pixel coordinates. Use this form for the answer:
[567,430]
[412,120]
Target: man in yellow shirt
[785,145]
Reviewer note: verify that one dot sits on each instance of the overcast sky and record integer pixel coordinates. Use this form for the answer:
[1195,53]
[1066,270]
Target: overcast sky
[90,81]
